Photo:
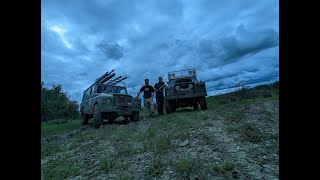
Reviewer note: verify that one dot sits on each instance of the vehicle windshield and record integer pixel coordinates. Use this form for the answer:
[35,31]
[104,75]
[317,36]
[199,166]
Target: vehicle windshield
[117,89]
[184,80]
[114,89]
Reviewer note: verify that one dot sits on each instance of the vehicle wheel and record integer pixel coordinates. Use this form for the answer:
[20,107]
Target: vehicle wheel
[84,118]
[195,106]
[203,103]
[169,106]
[97,116]
[135,116]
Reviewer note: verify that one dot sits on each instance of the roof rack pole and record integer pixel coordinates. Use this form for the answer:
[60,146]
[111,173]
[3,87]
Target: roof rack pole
[107,78]
[119,81]
[103,76]
[113,80]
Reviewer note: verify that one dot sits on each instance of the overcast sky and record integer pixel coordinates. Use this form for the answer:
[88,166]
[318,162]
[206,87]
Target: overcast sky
[226,41]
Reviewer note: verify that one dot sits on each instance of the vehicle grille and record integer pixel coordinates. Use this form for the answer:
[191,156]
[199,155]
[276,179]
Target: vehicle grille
[122,101]
[184,89]
[184,86]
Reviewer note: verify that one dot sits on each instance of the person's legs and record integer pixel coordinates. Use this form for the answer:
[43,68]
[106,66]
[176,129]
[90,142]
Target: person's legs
[146,105]
[151,104]
[160,105]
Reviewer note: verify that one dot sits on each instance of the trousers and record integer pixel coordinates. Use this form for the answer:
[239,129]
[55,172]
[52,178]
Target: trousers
[160,100]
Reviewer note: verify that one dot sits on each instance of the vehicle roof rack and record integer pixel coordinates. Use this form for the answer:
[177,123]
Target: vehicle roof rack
[182,73]
[106,79]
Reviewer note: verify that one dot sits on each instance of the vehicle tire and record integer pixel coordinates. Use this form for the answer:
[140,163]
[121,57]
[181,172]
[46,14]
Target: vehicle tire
[135,117]
[195,106]
[84,118]
[203,103]
[169,106]
[97,116]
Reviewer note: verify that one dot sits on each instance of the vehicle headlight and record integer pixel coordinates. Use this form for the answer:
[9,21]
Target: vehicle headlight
[190,86]
[177,88]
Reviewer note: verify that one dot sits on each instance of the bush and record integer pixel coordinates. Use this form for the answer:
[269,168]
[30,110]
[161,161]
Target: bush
[56,105]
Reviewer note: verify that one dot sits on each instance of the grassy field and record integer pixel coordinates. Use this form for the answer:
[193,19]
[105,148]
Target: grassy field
[58,126]
[237,137]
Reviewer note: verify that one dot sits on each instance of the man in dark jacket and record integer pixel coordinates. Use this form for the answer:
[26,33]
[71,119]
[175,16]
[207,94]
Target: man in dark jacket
[148,92]
[159,95]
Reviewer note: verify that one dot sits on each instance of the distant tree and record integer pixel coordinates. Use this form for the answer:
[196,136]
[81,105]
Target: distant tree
[55,104]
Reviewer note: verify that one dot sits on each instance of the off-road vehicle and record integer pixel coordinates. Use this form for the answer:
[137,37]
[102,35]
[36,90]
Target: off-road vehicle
[184,90]
[104,99]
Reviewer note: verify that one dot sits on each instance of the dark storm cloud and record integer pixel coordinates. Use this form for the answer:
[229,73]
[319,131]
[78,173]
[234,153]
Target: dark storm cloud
[232,48]
[111,50]
[226,41]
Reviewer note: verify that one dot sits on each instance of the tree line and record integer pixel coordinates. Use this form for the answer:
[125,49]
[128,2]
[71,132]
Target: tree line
[55,104]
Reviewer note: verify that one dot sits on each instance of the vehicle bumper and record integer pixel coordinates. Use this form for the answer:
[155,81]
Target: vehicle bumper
[122,112]
[185,96]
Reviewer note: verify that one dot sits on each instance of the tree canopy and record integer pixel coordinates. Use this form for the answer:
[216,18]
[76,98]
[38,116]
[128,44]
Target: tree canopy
[55,104]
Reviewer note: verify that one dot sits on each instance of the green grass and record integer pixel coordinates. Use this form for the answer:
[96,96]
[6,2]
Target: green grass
[186,167]
[154,138]
[126,150]
[164,129]
[250,133]
[162,144]
[232,128]
[50,149]
[209,139]
[235,116]
[183,135]
[107,163]
[125,175]
[58,126]
[144,113]
[223,168]
[111,162]
[250,95]
[156,168]
[57,121]
[63,167]
[159,144]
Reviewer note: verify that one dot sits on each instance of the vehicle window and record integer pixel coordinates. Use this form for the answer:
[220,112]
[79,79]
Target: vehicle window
[122,91]
[99,89]
[108,89]
[91,90]
[114,89]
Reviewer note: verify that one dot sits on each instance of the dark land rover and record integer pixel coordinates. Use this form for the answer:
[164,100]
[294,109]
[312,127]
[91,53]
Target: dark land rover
[184,90]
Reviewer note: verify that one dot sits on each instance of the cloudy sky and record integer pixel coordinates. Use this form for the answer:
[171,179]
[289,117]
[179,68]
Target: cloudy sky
[226,41]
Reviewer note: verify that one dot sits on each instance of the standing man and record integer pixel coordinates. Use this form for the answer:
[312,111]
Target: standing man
[148,92]
[159,95]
